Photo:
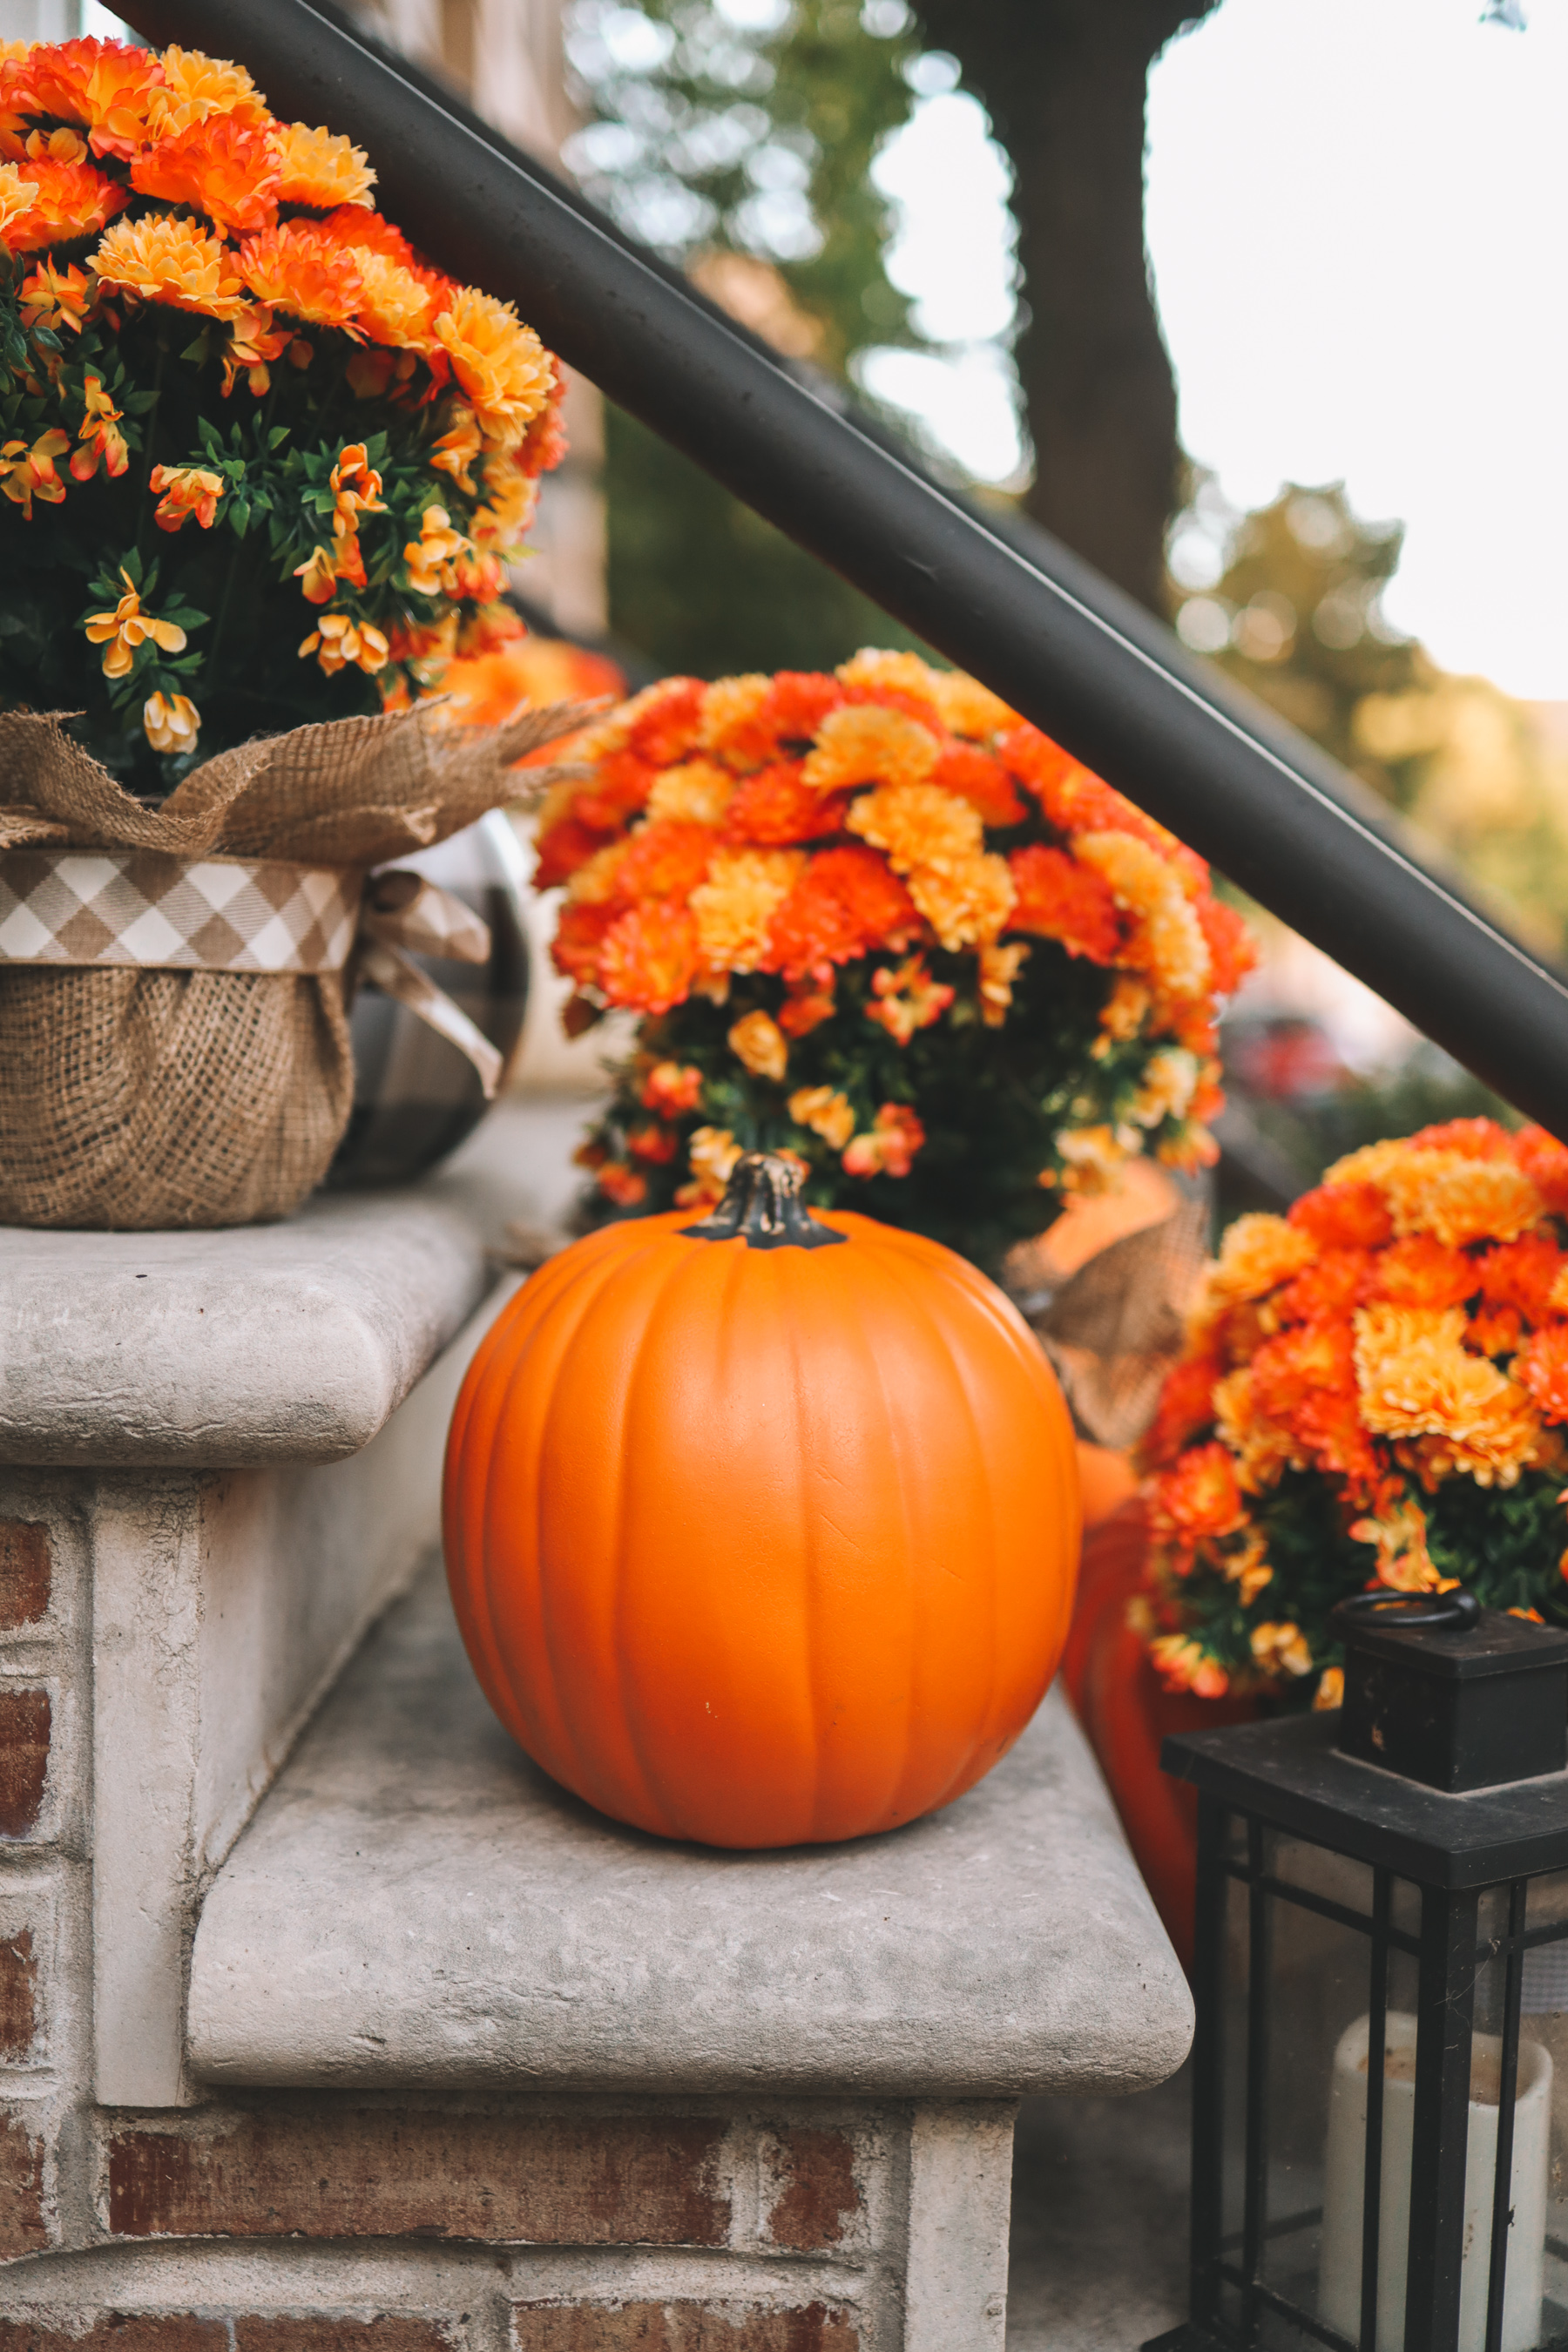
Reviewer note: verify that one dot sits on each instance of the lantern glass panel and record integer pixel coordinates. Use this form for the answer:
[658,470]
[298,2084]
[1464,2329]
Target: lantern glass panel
[1544,2020]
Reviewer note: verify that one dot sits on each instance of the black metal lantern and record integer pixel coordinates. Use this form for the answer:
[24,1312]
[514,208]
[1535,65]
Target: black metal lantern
[1379,2099]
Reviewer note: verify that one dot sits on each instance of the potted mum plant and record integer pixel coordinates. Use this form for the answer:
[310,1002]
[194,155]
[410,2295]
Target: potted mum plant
[1373,1392]
[875,921]
[261,464]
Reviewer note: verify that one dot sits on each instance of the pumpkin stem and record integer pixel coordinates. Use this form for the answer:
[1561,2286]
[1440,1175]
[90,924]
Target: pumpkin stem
[762,1206]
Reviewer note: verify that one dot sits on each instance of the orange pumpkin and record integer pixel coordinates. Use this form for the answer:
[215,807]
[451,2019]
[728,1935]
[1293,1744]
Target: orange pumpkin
[762,1531]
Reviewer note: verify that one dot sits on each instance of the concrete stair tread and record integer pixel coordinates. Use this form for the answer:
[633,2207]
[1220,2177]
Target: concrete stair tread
[416,1904]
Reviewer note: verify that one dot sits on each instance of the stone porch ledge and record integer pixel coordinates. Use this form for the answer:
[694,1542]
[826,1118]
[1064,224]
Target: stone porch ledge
[416,1906]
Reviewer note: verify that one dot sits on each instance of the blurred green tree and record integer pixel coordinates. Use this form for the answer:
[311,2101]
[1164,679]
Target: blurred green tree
[1289,600]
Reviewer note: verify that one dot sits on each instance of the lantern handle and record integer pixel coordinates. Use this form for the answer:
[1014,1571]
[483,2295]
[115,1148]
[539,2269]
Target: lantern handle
[1456,1611]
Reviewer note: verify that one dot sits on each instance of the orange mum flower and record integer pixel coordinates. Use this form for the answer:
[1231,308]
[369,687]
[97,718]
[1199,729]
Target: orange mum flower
[18,197]
[664,859]
[906,999]
[1062,900]
[1199,1496]
[502,365]
[101,437]
[1421,1272]
[1343,1216]
[69,200]
[980,778]
[846,901]
[1185,1406]
[580,933]
[170,723]
[1522,1273]
[56,298]
[775,806]
[888,1149]
[27,474]
[1330,1287]
[299,268]
[672,1088]
[759,1046]
[806,1007]
[224,168]
[103,86]
[664,723]
[170,260]
[1545,1161]
[735,905]
[1232,950]
[751,728]
[567,845]
[1542,1368]
[649,956]
[657,1145]
[187,490]
[824,1112]
[321,169]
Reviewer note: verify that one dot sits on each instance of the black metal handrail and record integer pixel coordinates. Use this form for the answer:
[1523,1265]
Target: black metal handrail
[1057,642]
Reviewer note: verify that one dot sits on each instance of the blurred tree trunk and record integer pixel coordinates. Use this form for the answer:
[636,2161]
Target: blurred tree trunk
[1064,83]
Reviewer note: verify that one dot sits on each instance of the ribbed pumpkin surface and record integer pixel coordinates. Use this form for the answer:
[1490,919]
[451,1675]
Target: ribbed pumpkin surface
[760,1547]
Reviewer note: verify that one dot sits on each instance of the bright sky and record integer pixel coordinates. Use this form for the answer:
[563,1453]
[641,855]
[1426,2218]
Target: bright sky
[1358,218]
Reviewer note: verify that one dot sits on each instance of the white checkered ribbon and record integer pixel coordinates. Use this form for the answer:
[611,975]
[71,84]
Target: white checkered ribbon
[97,908]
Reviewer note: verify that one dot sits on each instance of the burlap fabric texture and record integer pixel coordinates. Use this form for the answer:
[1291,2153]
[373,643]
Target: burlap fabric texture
[138,1099]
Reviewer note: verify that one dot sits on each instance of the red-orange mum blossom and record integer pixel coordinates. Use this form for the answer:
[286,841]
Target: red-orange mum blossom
[1198,1496]
[73,200]
[773,808]
[666,860]
[221,167]
[847,902]
[1065,901]
[649,956]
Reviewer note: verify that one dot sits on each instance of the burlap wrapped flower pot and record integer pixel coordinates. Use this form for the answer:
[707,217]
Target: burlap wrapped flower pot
[143,1087]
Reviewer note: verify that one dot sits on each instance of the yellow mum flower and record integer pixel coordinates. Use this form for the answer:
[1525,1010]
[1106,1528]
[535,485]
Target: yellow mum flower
[594,883]
[1257,1253]
[1404,1562]
[394,307]
[16,195]
[919,826]
[1094,1158]
[1281,1651]
[510,497]
[697,792]
[1330,1690]
[825,1112]
[166,258]
[196,86]
[321,168]
[1461,1200]
[862,743]
[1169,943]
[735,905]
[760,1044]
[126,628]
[902,673]
[1170,1082]
[966,902]
[999,968]
[1416,1379]
[730,705]
[1261,1448]
[500,364]
[711,1154]
[967,708]
[339,643]
[171,725]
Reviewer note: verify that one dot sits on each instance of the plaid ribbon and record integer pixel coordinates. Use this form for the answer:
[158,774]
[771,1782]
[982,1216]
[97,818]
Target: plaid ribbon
[140,906]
